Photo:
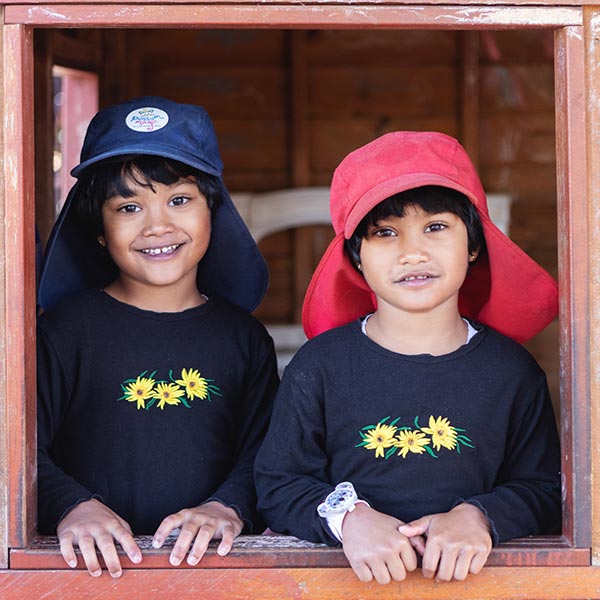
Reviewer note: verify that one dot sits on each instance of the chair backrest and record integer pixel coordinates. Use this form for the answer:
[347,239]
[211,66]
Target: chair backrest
[269,212]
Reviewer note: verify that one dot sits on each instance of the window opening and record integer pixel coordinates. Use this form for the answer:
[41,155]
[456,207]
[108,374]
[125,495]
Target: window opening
[74,102]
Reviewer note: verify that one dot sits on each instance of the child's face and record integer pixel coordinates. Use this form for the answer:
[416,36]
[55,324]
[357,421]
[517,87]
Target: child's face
[157,237]
[418,262]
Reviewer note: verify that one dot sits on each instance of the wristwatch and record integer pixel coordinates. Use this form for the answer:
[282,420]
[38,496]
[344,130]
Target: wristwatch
[342,499]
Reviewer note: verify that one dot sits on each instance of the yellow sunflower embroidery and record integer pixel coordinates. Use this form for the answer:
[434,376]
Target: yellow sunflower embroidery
[195,385]
[139,391]
[411,441]
[442,433]
[167,393]
[379,438]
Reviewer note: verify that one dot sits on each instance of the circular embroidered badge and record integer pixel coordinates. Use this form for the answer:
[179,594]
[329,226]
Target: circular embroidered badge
[147,119]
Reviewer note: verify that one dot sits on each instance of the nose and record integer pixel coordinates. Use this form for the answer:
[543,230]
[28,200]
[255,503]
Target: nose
[412,250]
[157,221]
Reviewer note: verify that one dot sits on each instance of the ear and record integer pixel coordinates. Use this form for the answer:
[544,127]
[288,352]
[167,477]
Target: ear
[473,255]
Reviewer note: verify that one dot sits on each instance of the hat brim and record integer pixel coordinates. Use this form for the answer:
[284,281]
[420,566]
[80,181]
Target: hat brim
[505,289]
[232,268]
[153,149]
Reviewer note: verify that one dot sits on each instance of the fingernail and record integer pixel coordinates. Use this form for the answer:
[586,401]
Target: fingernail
[136,558]
[221,551]
[192,560]
[97,573]
[72,563]
[174,560]
[116,574]
[156,543]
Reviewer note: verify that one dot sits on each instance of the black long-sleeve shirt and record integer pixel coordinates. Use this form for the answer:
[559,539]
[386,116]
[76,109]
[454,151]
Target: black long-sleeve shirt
[416,435]
[150,412]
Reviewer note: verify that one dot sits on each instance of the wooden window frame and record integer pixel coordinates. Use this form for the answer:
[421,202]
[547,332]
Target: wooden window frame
[577,84]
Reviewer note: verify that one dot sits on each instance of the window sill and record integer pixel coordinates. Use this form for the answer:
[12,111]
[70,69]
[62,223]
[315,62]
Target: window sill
[273,551]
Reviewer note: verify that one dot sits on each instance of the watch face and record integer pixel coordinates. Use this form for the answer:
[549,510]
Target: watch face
[340,500]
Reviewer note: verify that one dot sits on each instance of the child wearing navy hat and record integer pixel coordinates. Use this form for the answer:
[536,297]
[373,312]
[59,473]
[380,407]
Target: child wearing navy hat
[423,428]
[155,384]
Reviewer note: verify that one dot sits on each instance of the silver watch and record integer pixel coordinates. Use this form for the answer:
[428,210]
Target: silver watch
[342,499]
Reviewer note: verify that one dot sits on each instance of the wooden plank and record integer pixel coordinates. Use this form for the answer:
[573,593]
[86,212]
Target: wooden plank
[44,134]
[274,551]
[592,139]
[398,49]
[19,283]
[493,583]
[293,16]
[469,94]
[250,93]
[388,92]
[433,4]
[575,258]
[213,48]
[298,81]
[4,478]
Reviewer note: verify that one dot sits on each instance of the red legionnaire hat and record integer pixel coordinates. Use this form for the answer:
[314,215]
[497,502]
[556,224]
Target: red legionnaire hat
[504,289]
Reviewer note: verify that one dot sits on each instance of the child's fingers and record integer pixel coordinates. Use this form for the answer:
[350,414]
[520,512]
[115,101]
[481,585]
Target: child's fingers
[205,534]
[380,572]
[417,527]
[183,543]
[227,537]
[67,550]
[396,568]
[463,565]
[127,542]
[478,561]
[361,570]
[88,553]
[106,545]
[164,529]
[418,543]
[431,560]
[448,564]
[408,557]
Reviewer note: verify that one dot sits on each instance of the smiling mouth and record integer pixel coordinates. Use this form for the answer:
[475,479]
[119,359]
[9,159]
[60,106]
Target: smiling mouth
[416,278]
[160,251]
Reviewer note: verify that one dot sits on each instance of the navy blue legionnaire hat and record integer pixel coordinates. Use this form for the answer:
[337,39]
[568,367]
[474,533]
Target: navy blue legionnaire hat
[232,268]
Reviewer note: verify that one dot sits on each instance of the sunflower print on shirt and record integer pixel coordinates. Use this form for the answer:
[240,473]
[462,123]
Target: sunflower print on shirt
[389,439]
[146,391]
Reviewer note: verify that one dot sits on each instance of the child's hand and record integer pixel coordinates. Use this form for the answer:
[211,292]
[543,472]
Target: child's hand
[92,524]
[458,542]
[374,547]
[211,520]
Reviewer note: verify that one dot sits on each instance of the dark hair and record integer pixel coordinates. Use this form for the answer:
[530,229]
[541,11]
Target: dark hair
[111,177]
[432,199]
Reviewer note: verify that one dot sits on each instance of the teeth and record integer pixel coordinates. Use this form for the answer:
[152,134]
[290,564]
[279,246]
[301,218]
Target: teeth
[412,277]
[157,251]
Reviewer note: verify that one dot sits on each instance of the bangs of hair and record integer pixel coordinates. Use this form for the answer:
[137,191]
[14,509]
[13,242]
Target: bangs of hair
[115,176]
[433,199]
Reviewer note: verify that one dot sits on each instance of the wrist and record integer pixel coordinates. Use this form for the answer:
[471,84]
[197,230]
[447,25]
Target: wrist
[475,513]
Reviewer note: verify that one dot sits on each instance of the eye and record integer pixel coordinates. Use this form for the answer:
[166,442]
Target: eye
[129,208]
[433,227]
[179,201]
[382,232]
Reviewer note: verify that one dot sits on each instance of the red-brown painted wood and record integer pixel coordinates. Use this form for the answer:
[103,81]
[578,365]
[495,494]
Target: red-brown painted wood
[286,552]
[493,583]
[19,285]
[293,16]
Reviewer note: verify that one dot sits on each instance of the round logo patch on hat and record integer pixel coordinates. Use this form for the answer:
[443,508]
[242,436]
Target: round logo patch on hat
[147,119]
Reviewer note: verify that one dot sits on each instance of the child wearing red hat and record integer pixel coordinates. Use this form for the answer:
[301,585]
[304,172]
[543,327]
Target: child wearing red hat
[414,424]
[155,383]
